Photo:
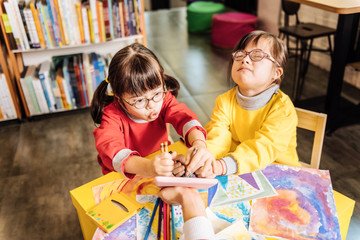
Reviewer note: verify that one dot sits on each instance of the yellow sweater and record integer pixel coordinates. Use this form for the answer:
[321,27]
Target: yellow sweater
[254,138]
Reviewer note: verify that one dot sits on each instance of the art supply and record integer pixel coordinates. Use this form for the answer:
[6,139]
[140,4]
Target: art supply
[173,223]
[168,221]
[159,220]
[166,146]
[164,221]
[152,218]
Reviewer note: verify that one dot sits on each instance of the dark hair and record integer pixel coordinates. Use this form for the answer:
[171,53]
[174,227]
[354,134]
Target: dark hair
[277,51]
[134,70]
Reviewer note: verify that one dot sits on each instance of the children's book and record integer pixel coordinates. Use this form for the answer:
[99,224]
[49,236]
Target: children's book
[303,209]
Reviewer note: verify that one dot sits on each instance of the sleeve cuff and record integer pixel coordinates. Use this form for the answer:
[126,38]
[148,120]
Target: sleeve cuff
[120,159]
[231,165]
[198,228]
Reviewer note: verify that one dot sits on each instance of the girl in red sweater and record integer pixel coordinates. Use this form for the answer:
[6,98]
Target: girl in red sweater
[132,107]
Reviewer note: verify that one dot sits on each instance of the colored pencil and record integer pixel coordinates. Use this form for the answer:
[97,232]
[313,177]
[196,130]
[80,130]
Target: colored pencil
[152,218]
[168,221]
[173,223]
[164,221]
[159,221]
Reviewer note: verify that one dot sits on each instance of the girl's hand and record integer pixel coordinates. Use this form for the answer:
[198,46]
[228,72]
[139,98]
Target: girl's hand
[163,164]
[179,166]
[199,161]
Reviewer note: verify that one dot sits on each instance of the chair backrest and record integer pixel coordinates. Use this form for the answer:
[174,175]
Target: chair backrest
[290,9]
[315,122]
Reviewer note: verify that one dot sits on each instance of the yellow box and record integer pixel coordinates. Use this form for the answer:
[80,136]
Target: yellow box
[344,207]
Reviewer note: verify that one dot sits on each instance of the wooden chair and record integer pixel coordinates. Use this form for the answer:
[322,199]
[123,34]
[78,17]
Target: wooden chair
[315,122]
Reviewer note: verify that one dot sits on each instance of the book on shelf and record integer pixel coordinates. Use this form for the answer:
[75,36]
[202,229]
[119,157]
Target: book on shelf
[80,21]
[59,21]
[73,82]
[19,21]
[39,29]
[45,29]
[62,88]
[87,74]
[28,89]
[81,87]
[7,107]
[106,20]
[85,20]
[67,79]
[14,43]
[44,76]
[100,18]
[95,25]
[14,26]
[125,13]
[39,92]
[31,28]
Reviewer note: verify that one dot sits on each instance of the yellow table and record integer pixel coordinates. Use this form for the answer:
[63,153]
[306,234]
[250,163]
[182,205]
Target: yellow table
[82,198]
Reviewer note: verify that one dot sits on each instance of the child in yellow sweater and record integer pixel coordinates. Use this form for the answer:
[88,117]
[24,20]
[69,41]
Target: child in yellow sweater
[254,123]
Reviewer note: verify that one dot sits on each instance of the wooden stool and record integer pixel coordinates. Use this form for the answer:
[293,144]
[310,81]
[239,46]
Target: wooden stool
[228,28]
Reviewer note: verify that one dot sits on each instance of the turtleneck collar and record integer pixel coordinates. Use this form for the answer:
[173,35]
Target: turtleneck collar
[258,101]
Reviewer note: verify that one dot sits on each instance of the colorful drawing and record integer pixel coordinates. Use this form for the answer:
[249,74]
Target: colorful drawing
[233,212]
[303,209]
[234,189]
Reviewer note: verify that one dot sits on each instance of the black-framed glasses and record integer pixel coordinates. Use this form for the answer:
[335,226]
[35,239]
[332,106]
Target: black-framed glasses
[255,55]
[143,102]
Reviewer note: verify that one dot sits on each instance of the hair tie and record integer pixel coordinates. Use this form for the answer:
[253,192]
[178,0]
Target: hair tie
[109,90]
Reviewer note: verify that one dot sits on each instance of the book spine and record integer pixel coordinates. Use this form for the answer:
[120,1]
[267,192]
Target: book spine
[106,21]
[86,24]
[48,23]
[14,26]
[100,18]
[54,23]
[15,6]
[74,27]
[30,22]
[126,17]
[43,21]
[6,102]
[122,19]
[47,92]
[27,96]
[32,93]
[86,64]
[67,22]
[60,22]
[9,33]
[111,19]
[116,20]
[39,92]
[23,20]
[80,22]
[94,21]
[38,27]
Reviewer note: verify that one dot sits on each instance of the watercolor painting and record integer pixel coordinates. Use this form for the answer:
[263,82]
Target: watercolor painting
[303,209]
[236,231]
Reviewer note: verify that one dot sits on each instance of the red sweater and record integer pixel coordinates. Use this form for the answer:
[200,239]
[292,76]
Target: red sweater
[118,137]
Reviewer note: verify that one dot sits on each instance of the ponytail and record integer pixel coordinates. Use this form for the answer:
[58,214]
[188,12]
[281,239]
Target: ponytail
[171,84]
[99,101]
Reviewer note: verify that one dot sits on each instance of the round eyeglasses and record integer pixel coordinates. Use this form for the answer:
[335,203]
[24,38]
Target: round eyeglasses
[255,55]
[143,102]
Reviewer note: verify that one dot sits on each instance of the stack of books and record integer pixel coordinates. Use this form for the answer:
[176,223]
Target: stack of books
[67,82]
[55,23]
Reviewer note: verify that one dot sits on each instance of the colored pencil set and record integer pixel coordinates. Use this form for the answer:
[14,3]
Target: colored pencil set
[166,219]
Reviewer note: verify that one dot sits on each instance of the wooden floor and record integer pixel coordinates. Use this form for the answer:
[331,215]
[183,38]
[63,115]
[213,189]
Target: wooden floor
[42,160]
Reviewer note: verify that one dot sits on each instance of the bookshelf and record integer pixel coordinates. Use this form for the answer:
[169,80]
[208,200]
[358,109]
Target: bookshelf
[125,27]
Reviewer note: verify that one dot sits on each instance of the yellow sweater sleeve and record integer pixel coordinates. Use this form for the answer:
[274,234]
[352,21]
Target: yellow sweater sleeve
[218,130]
[274,138]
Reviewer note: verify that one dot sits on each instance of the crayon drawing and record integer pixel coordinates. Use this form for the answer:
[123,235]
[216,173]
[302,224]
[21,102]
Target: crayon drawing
[303,209]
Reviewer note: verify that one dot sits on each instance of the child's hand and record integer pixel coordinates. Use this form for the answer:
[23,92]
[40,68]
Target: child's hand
[199,161]
[163,164]
[179,166]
